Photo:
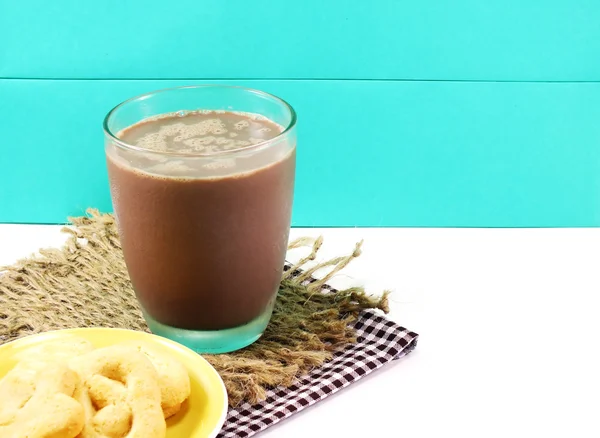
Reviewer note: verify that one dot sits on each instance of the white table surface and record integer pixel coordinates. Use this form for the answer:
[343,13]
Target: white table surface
[509,330]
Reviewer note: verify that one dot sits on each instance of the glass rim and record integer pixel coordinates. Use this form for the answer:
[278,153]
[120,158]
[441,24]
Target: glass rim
[127,146]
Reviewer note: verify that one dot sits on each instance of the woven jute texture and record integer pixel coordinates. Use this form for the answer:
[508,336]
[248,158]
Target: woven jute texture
[85,284]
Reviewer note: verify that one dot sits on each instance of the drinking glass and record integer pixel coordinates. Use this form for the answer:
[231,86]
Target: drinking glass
[204,234]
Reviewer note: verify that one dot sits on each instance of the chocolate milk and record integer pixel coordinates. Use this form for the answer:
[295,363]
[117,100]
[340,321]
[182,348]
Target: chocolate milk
[203,209]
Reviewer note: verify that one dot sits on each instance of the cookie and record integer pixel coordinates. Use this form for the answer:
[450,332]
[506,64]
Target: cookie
[39,403]
[173,377]
[120,394]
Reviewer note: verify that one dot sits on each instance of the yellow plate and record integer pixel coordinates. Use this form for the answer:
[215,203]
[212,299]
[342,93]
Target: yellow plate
[201,417]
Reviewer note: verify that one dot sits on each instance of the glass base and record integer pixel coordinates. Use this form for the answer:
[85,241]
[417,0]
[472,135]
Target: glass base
[214,341]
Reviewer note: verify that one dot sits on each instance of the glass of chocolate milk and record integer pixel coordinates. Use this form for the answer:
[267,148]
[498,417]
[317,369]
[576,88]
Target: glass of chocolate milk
[202,182]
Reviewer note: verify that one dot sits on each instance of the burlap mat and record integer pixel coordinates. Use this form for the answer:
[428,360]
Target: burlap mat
[85,284]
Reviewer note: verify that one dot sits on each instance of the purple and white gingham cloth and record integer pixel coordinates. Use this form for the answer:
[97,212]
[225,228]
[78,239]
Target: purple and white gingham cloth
[379,342]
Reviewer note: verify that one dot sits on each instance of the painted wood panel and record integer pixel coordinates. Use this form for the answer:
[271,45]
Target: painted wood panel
[497,40]
[371,153]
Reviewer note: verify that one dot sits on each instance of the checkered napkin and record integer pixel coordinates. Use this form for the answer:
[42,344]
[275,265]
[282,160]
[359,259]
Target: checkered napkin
[379,341]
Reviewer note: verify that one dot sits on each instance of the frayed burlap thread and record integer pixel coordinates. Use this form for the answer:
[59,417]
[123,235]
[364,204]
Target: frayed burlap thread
[85,284]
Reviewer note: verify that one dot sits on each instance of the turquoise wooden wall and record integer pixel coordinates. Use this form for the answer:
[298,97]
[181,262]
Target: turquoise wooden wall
[439,113]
